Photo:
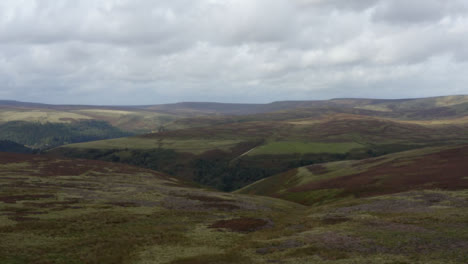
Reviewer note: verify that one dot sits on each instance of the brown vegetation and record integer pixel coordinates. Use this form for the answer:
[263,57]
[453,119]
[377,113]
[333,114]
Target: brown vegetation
[243,225]
[445,170]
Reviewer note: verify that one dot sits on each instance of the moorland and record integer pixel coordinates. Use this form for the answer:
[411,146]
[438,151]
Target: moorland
[334,181]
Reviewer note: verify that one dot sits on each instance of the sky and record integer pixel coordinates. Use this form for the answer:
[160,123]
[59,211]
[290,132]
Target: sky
[251,51]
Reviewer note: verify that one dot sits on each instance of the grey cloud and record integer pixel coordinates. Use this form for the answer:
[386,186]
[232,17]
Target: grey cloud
[229,50]
[418,11]
[356,5]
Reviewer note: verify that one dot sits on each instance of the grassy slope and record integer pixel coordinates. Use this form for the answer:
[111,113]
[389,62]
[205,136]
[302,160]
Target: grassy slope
[292,147]
[232,155]
[134,120]
[195,146]
[131,119]
[149,118]
[7,115]
[76,211]
[431,168]
[351,130]
[48,135]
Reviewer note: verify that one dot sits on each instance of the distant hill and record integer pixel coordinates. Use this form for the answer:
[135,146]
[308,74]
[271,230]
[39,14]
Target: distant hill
[152,118]
[47,135]
[129,118]
[207,108]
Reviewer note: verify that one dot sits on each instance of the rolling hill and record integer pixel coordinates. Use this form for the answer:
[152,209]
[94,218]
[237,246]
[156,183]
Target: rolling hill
[82,211]
[231,155]
[339,181]
[48,135]
[449,110]
[422,169]
[125,118]
[150,117]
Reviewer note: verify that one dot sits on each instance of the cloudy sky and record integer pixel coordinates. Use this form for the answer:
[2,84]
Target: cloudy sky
[147,51]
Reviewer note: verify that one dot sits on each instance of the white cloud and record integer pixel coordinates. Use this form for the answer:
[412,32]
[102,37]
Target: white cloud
[143,51]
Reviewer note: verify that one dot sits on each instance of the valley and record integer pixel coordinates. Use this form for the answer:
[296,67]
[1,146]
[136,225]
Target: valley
[335,181]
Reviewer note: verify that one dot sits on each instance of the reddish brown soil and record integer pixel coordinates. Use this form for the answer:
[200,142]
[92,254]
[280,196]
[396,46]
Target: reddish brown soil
[241,224]
[447,169]
[222,206]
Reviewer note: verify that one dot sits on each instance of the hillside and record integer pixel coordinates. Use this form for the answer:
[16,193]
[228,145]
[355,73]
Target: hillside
[125,118]
[48,135]
[339,181]
[423,169]
[81,211]
[10,146]
[381,105]
[91,211]
[234,154]
[146,118]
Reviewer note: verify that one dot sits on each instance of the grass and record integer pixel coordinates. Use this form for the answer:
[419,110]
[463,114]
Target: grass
[195,146]
[129,120]
[292,147]
[77,211]
[420,168]
[313,197]
[41,116]
[137,120]
[97,212]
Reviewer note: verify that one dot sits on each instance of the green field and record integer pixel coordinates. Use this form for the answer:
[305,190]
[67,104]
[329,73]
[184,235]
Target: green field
[292,147]
[195,146]
[42,116]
